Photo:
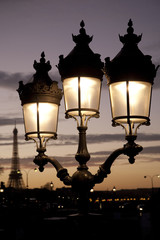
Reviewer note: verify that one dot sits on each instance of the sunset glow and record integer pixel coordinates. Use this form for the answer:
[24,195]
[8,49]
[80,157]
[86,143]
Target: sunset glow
[30,27]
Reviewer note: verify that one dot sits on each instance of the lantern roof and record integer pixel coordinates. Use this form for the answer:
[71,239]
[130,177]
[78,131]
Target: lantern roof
[81,61]
[130,63]
[41,88]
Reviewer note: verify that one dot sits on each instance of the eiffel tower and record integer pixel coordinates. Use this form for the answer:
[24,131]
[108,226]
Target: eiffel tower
[15,177]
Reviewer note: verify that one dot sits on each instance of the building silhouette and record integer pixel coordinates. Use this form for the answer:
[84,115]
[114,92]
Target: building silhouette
[15,177]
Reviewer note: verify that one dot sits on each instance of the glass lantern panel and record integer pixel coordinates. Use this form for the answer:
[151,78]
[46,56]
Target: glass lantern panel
[70,87]
[30,117]
[48,118]
[139,101]
[40,115]
[118,99]
[90,94]
[82,96]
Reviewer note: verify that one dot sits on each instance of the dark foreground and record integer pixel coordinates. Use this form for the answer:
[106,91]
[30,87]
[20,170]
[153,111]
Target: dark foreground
[32,219]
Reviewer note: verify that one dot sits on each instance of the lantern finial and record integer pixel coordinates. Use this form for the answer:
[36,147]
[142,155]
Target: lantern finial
[42,66]
[82,24]
[130,29]
[82,38]
[130,37]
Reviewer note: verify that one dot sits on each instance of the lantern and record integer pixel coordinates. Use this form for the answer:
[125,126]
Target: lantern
[40,99]
[130,78]
[81,73]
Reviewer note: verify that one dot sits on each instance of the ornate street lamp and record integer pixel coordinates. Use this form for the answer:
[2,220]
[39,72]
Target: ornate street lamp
[130,75]
[40,99]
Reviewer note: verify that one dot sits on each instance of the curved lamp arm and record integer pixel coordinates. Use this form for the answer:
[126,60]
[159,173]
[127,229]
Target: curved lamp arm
[104,169]
[41,159]
[131,149]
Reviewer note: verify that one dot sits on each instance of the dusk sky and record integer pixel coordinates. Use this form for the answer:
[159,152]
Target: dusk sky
[28,27]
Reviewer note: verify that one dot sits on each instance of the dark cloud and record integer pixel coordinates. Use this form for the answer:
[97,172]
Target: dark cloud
[10,121]
[11,80]
[24,163]
[152,150]
[91,139]
[99,138]
[11,143]
[28,162]
[100,153]
[146,150]
[120,137]
[8,140]
[148,137]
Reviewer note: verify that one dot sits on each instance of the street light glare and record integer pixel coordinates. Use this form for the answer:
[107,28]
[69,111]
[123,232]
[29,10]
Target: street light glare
[139,100]
[43,114]
[82,95]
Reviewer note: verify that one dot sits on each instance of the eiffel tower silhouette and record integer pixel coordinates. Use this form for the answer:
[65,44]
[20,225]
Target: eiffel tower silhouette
[15,177]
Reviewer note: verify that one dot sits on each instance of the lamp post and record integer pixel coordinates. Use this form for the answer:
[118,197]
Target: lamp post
[27,173]
[152,177]
[81,74]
